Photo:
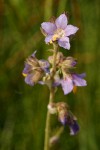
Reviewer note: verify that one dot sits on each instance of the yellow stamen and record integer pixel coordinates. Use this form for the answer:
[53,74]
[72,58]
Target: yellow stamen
[50,41]
[74,89]
[55,37]
[25,75]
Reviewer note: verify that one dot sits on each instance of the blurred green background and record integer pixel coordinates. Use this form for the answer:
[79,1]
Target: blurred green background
[23,108]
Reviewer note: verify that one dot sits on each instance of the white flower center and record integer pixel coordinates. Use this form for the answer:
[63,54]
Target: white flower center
[59,33]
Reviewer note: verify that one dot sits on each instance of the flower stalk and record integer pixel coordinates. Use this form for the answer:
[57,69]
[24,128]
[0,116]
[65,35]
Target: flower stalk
[51,99]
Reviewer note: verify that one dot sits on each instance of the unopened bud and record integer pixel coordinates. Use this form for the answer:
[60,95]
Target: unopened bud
[52,108]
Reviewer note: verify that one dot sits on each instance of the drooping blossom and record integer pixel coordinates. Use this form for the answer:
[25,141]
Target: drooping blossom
[34,69]
[71,81]
[73,125]
[62,109]
[65,116]
[59,31]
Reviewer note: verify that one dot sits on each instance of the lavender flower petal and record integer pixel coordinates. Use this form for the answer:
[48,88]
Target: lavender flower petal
[26,69]
[78,81]
[61,21]
[57,81]
[44,63]
[67,85]
[63,121]
[48,27]
[48,38]
[29,79]
[82,75]
[70,29]
[74,128]
[64,42]
[33,55]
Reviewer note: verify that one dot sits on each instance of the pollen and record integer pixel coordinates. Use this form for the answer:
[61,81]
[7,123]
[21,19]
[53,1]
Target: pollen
[59,33]
[55,37]
[50,41]
[74,89]
[25,75]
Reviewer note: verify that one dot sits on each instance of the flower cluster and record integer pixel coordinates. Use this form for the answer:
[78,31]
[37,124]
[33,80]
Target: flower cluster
[39,71]
[65,75]
[58,70]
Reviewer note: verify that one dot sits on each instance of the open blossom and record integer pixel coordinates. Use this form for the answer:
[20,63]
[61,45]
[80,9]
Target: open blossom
[71,81]
[34,69]
[59,31]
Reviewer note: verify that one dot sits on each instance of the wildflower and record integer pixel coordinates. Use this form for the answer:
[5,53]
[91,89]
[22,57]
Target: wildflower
[59,31]
[65,116]
[59,58]
[71,81]
[65,75]
[62,109]
[63,63]
[34,69]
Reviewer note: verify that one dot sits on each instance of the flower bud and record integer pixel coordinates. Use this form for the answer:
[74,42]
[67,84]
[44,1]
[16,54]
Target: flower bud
[52,108]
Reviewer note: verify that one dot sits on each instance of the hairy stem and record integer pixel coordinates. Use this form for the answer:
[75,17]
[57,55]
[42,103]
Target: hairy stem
[51,99]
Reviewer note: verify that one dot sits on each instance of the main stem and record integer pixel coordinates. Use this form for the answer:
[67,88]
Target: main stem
[51,99]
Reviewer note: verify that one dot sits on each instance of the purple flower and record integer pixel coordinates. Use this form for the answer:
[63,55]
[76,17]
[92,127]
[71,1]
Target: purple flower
[74,127]
[59,31]
[71,81]
[67,118]
[65,75]
[70,120]
[34,69]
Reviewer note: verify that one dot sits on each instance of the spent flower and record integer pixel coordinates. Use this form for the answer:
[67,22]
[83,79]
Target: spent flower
[63,63]
[65,116]
[34,69]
